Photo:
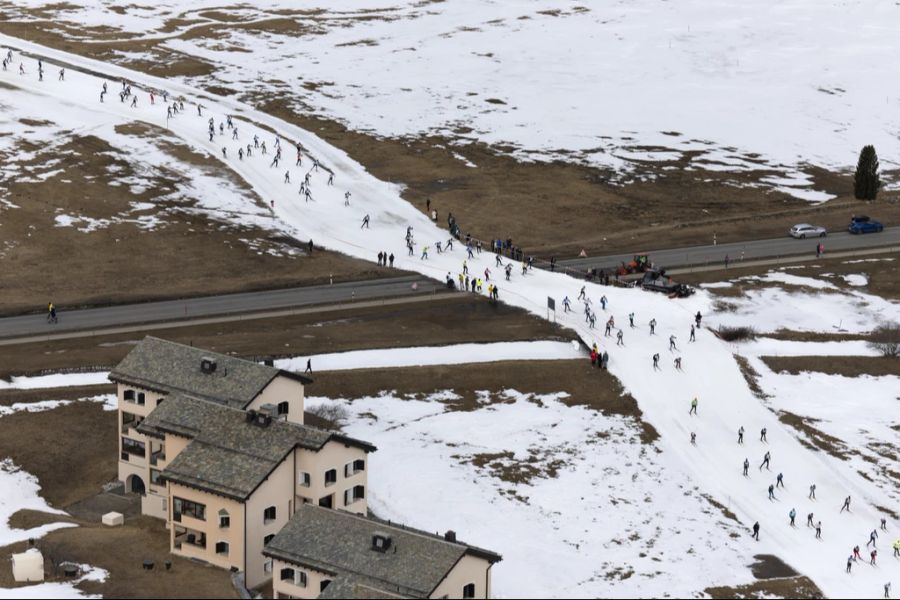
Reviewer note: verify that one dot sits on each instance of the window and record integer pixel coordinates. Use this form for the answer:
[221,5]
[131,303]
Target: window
[128,395]
[131,446]
[327,501]
[140,398]
[224,519]
[186,507]
[330,476]
[304,479]
[300,579]
[352,468]
[267,566]
[222,548]
[324,584]
[154,477]
[127,420]
[268,538]
[351,495]
[269,515]
[287,574]
[469,590]
[283,408]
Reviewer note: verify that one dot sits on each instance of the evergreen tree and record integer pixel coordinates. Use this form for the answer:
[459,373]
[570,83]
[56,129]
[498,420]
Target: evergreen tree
[866,181]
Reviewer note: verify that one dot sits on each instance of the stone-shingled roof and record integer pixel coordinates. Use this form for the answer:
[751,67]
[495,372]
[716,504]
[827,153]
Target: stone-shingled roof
[229,455]
[340,543]
[168,366]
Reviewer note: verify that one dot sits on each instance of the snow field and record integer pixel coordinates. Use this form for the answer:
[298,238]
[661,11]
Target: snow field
[710,372]
[571,485]
[784,83]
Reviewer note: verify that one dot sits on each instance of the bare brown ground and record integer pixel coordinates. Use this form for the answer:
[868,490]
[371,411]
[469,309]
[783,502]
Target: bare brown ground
[883,275]
[586,385]
[71,450]
[848,366]
[774,578]
[787,587]
[189,254]
[121,551]
[559,208]
[548,208]
[456,320]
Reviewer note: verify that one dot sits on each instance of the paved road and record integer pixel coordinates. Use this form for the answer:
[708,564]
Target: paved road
[784,246]
[230,304]
[194,308]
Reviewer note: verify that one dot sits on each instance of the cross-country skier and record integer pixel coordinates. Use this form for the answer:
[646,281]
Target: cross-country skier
[365,222]
[846,505]
[741,435]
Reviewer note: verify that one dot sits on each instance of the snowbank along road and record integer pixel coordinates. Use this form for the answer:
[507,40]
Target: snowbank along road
[709,373]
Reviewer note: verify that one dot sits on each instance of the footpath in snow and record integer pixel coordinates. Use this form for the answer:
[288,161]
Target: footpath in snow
[709,373]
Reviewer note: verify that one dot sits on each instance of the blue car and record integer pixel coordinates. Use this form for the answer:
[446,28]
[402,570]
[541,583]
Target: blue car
[864,225]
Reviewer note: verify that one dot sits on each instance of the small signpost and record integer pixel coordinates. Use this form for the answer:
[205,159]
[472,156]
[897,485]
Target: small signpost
[551,305]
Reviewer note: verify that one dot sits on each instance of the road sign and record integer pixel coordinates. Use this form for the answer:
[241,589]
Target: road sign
[551,303]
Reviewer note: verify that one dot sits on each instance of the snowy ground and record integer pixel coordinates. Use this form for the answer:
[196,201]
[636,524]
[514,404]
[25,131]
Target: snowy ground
[29,136]
[436,355]
[58,590]
[789,306]
[710,370]
[535,477]
[740,86]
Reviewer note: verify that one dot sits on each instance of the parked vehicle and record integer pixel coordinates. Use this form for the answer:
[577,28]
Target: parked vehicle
[805,230]
[657,281]
[863,224]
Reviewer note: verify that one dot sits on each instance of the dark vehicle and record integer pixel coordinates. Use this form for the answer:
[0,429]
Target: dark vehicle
[657,281]
[863,224]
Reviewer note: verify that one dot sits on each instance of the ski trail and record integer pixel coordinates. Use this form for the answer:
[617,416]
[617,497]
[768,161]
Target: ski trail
[710,371]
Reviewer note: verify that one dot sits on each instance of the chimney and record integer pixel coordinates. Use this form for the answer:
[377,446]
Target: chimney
[380,542]
[208,365]
[250,416]
[450,536]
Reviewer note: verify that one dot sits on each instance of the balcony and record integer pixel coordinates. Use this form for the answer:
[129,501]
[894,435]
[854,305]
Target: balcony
[189,541]
[158,456]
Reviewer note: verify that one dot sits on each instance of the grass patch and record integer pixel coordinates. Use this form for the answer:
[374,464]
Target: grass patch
[848,366]
[750,376]
[736,334]
[813,438]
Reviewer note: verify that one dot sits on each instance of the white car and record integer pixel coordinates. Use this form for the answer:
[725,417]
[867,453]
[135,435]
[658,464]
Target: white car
[805,230]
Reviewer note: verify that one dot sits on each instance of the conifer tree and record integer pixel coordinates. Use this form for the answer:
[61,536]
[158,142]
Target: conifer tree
[866,181]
